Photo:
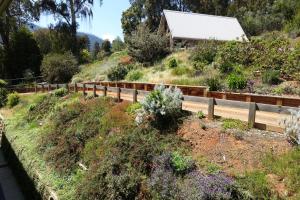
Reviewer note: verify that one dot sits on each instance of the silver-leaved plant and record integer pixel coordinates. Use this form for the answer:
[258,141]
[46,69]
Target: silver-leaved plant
[292,126]
[162,101]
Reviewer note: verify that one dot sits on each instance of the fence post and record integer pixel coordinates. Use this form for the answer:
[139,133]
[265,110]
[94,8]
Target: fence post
[205,92]
[49,87]
[57,86]
[95,91]
[75,88]
[84,90]
[252,113]
[135,95]
[42,87]
[104,91]
[118,94]
[211,108]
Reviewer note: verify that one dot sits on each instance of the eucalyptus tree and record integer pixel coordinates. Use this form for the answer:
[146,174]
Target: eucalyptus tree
[68,11]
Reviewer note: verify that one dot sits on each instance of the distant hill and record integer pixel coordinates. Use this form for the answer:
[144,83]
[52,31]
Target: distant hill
[93,38]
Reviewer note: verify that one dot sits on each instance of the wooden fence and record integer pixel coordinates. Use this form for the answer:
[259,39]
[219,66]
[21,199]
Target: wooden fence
[202,91]
[138,92]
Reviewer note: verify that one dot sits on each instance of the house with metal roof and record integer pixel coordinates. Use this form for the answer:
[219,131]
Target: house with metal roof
[193,27]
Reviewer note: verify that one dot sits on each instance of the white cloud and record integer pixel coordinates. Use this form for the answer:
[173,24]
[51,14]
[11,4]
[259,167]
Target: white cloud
[108,36]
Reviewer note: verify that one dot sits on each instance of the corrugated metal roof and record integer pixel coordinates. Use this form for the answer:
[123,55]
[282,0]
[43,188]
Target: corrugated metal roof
[184,25]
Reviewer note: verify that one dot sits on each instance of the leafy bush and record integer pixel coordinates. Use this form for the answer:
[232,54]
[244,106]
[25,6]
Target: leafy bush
[200,115]
[271,77]
[59,68]
[162,104]
[60,92]
[214,84]
[85,56]
[172,63]
[117,73]
[13,99]
[236,81]
[205,52]
[229,55]
[134,75]
[181,164]
[292,65]
[147,47]
[292,126]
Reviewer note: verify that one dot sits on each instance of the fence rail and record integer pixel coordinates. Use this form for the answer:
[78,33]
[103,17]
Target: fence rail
[201,91]
[135,93]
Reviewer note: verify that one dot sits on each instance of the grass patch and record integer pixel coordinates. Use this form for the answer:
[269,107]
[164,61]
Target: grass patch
[287,167]
[256,183]
[234,124]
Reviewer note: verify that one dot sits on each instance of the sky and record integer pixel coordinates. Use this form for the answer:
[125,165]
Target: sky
[106,22]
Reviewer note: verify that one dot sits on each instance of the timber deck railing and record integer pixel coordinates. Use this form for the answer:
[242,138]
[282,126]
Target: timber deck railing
[194,95]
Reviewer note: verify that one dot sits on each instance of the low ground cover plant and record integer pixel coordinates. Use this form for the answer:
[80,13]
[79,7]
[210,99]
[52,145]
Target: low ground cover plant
[234,124]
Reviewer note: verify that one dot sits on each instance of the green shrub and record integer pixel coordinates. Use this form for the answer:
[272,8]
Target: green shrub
[85,56]
[172,63]
[13,99]
[271,77]
[205,52]
[59,68]
[200,115]
[132,109]
[60,92]
[292,65]
[181,164]
[146,46]
[117,73]
[236,81]
[134,75]
[214,84]
[228,55]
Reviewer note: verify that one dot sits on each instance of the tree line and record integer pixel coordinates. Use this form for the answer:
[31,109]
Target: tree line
[21,52]
[255,16]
